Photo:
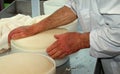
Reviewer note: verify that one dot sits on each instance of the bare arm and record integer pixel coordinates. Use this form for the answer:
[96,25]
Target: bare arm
[61,17]
[65,44]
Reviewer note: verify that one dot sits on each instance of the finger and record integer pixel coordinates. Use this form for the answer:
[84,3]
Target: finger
[15,36]
[18,36]
[9,38]
[56,55]
[11,34]
[54,45]
[62,56]
[52,52]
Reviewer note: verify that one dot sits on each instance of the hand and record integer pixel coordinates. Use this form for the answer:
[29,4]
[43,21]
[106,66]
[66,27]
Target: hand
[20,32]
[68,43]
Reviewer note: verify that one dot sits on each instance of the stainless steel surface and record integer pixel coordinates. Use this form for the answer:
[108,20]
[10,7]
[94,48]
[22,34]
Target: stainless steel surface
[35,7]
[1,4]
[64,69]
[9,11]
[82,63]
[20,7]
[16,7]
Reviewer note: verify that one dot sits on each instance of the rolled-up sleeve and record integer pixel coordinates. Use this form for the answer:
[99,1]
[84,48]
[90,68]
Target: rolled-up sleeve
[105,41]
[71,5]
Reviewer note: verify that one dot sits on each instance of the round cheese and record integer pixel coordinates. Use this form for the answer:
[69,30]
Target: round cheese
[26,63]
[39,41]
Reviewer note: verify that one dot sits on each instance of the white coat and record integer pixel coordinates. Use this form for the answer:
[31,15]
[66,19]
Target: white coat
[102,19]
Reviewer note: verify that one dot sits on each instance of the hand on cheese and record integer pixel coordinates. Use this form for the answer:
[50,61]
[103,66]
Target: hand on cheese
[39,41]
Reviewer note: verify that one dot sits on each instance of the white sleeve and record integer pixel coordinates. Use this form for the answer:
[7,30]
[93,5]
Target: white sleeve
[105,42]
[71,4]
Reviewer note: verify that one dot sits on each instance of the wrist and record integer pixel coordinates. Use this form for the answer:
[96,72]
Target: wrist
[85,40]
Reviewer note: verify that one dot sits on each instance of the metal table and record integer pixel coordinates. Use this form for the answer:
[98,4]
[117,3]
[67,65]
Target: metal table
[20,7]
[64,69]
[1,4]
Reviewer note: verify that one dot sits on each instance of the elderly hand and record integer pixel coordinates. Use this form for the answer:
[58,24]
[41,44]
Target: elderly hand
[20,32]
[68,43]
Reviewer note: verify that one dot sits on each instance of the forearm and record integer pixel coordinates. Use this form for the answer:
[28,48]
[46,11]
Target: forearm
[61,17]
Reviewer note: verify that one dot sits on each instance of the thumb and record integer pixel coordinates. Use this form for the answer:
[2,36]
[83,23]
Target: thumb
[57,36]
[9,39]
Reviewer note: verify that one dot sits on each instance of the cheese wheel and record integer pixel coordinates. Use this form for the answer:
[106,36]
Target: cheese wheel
[26,63]
[39,41]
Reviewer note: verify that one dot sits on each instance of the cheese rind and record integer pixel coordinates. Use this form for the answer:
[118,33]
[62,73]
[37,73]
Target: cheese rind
[26,63]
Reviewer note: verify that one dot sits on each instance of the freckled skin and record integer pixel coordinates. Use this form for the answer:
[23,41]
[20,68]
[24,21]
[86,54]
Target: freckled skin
[66,43]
